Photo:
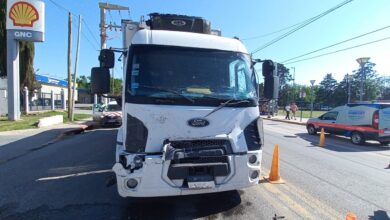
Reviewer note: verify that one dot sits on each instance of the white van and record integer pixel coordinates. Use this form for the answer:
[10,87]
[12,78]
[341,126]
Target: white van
[107,115]
[358,121]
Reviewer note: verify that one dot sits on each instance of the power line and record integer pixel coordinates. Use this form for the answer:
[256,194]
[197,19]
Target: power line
[82,33]
[337,51]
[90,43]
[341,42]
[90,32]
[273,32]
[301,26]
[60,6]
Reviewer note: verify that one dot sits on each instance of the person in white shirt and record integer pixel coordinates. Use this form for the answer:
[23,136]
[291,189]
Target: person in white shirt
[287,108]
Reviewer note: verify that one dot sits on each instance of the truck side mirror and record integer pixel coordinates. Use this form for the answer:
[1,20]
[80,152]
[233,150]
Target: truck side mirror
[268,68]
[100,80]
[271,80]
[107,58]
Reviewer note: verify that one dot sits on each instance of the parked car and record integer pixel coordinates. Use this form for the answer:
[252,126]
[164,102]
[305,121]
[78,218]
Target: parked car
[360,122]
[108,115]
[325,108]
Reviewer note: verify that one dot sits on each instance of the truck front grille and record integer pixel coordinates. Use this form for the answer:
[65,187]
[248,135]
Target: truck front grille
[194,144]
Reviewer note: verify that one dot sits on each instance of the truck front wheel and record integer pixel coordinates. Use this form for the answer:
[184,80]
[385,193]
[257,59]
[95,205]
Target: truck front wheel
[357,138]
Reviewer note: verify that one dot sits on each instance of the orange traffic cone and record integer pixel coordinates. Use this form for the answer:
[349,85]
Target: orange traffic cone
[350,216]
[322,138]
[274,176]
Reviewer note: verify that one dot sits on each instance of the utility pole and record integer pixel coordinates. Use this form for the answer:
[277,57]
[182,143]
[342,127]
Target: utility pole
[70,108]
[312,97]
[113,80]
[75,67]
[103,26]
[293,96]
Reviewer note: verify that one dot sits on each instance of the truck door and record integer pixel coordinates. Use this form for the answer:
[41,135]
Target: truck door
[328,122]
[384,120]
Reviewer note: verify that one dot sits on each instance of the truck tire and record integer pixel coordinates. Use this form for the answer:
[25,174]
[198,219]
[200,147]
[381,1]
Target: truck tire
[384,142]
[311,130]
[357,138]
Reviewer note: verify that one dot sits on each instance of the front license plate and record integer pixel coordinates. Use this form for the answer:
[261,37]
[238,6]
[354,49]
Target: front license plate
[201,185]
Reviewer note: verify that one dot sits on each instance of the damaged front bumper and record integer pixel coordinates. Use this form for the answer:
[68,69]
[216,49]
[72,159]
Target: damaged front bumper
[175,173]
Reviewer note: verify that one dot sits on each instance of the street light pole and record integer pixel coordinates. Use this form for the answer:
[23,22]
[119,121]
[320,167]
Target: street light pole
[349,79]
[293,90]
[312,97]
[362,61]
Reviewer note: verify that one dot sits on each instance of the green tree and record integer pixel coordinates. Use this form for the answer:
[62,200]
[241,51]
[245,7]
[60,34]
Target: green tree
[261,90]
[3,39]
[116,87]
[84,82]
[340,95]
[326,90]
[385,88]
[284,75]
[26,69]
[371,82]
[285,90]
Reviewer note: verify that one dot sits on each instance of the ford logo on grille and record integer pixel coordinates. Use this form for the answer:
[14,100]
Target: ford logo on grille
[198,122]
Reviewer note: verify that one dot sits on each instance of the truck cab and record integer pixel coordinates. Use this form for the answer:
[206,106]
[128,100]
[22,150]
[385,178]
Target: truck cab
[191,120]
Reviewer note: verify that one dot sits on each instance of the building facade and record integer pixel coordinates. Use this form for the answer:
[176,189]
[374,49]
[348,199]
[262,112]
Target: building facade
[40,99]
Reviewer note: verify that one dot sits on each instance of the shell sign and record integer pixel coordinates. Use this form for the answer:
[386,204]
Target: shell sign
[25,19]
[23,14]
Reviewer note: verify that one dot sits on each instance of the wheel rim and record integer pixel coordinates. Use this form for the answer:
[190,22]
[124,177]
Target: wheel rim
[311,129]
[356,138]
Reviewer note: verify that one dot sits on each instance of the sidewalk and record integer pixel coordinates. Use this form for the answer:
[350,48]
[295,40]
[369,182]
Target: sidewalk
[50,132]
[281,118]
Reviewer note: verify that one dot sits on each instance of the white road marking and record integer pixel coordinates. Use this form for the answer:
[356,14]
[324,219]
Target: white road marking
[74,175]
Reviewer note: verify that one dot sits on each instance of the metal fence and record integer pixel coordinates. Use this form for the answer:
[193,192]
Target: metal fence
[40,101]
[57,101]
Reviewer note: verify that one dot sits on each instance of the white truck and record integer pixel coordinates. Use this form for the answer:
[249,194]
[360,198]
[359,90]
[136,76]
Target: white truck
[191,120]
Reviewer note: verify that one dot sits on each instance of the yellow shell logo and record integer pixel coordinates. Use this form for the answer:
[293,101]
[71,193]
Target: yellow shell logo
[23,14]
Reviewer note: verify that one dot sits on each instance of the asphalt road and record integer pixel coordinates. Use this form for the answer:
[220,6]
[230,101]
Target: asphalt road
[67,180]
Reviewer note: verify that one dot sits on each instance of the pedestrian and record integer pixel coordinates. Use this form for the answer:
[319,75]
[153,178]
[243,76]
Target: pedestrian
[294,109]
[287,108]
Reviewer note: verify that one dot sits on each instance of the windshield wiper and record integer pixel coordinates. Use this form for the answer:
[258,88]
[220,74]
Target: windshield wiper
[168,90]
[230,101]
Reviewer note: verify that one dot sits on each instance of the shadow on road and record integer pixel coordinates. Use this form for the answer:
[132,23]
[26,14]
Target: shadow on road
[186,207]
[379,215]
[341,144]
[17,145]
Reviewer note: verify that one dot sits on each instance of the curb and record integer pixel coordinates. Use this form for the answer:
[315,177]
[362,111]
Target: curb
[286,121]
[89,125]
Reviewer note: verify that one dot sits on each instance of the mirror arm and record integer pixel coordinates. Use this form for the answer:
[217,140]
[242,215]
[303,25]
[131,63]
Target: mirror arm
[255,61]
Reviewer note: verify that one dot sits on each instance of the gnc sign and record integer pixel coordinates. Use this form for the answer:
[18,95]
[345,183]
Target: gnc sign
[26,19]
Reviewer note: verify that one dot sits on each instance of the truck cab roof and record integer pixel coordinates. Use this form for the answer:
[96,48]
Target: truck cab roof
[187,39]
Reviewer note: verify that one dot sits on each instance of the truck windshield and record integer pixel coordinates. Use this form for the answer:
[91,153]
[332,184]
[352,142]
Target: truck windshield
[203,76]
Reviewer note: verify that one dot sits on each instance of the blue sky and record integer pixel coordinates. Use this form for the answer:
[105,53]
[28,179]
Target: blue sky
[246,18]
